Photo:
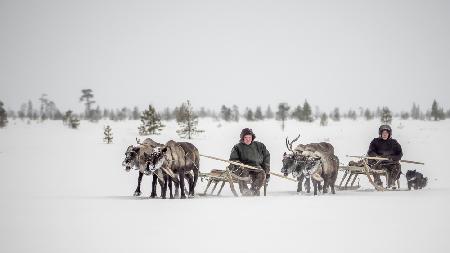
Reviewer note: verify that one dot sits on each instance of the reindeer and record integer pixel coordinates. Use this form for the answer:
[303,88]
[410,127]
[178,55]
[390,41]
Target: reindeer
[136,156]
[177,158]
[295,163]
[315,162]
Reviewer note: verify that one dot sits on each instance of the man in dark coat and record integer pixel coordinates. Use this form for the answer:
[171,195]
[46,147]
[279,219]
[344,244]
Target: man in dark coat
[386,147]
[252,153]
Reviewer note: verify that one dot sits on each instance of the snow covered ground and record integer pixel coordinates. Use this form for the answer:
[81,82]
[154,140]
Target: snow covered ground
[63,190]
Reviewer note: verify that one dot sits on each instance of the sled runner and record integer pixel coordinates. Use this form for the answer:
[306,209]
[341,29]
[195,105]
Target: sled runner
[351,173]
[220,176]
[224,176]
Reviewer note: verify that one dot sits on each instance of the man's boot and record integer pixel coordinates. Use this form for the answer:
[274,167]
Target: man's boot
[377,180]
[243,188]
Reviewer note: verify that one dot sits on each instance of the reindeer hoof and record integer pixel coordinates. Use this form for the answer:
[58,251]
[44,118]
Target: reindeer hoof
[152,196]
[183,197]
[171,197]
[137,194]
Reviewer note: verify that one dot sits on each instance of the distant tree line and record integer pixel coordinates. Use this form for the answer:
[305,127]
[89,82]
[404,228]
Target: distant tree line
[187,116]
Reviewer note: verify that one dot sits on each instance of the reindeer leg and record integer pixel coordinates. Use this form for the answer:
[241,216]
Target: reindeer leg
[191,184]
[169,179]
[177,188]
[300,183]
[195,170]
[332,188]
[181,173]
[325,186]
[308,185]
[154,182]
[137,192]
[315,186]
[163,187]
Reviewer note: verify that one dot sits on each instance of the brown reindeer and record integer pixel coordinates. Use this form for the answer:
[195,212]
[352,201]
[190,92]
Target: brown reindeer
[177,159]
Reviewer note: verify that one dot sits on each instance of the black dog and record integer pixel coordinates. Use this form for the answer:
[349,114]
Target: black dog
[416,180]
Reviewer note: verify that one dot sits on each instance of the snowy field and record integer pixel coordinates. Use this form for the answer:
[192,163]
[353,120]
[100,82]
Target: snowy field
[63,190]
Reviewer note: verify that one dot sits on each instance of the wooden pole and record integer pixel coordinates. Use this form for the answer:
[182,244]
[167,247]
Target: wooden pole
[247,166]
[383,159]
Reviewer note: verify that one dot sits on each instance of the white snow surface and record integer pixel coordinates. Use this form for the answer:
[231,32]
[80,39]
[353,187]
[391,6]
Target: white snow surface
[63,190]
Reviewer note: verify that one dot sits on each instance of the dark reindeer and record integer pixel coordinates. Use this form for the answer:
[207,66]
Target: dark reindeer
[177,160]
[315,161]
[136,156]
[297,164]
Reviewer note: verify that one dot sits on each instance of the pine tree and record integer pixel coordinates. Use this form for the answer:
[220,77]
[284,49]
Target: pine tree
[436,112]
[307,112]
[136,113]
[297,113]
[151,122]
[225,113]
[269,113]
[282,113]
[386,116]
[352,115]
[30,110]
[368,114]
[108,138]
[71,120]
[87,96]
[323,119]
[44,102]
[415,111]
[188,121]
[96,114]
[235,113]
[249,116]
[258,113]
[22,113]
[3,116]
[112,115]
[336,115]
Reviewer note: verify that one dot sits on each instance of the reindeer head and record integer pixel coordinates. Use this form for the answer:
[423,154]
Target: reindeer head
[145,154]
[131,155]
[292,160]
[156,159]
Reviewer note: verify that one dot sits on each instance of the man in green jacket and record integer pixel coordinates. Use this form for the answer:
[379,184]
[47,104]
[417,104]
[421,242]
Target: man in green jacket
[252,153]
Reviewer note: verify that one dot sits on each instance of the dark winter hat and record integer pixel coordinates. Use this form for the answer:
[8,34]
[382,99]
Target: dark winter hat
[385,128]
[247,131]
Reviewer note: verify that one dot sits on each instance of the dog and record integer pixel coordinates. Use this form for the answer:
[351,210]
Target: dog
[416,180]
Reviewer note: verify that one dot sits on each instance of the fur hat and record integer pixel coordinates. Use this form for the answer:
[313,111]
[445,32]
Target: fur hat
[247,131]
[385,128]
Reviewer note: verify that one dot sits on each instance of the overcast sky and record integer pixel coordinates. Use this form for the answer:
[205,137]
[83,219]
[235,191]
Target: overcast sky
[333,53]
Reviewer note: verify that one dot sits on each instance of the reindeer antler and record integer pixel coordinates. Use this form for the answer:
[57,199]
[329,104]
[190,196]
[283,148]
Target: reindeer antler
[139,142]
[289,143]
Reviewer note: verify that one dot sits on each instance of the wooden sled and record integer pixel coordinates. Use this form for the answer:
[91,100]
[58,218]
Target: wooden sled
[352,172]
[222,177]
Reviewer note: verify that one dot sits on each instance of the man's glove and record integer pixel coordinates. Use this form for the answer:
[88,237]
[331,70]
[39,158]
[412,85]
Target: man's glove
[267,177]
[233,167]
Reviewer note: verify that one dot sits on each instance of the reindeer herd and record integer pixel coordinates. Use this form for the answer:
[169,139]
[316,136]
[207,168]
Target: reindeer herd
[169,163]
[175,162]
